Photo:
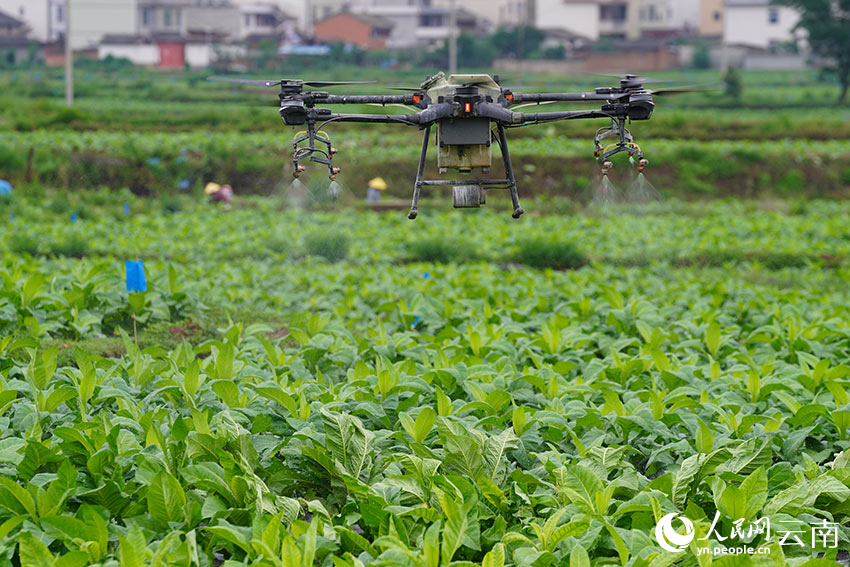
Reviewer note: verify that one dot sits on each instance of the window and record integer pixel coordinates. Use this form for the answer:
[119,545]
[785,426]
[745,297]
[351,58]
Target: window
[613,13]
[247,18]
[716,16]
[60,13]
[147,17]
[431,20]
[166,18]
[773,16]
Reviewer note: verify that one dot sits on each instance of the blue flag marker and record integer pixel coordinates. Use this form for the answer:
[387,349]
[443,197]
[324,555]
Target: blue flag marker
[5,188]
[74,217]
[426,275]
[415,322]
[126,209]
[135,276]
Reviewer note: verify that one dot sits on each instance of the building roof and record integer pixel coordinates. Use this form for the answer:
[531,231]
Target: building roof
[376,22]
[7,21]
[747,3]
[124,39]
[561,33]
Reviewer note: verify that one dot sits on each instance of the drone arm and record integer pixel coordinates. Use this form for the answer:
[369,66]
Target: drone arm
[507,117]
[541,117]
[369,99]
[561,97]
[427,117]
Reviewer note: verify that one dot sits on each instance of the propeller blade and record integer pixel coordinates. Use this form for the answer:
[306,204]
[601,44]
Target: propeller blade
[682,90]
[249,82]
[632,78]
[335,83]
[272,83]
[407,89]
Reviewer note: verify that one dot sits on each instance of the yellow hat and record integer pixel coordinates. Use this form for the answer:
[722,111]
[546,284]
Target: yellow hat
[378,183]
[212,188]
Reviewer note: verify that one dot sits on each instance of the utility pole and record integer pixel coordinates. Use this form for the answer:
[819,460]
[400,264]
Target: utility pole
[452,37]
[69,58]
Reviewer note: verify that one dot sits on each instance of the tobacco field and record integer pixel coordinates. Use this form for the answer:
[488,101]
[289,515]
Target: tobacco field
[345,389]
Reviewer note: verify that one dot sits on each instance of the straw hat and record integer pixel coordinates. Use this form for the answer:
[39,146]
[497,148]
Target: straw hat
[378,183]
[212,188]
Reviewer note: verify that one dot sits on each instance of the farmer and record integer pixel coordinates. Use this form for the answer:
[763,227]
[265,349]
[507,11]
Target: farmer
[219,193]
[376,185]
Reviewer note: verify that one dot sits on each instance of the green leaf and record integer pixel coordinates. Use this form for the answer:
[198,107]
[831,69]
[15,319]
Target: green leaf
[578,557]
[166,499]
[495,451]
[16,499]
[33,552]
[495,557]
[349,442]
[581,485]
[712,338]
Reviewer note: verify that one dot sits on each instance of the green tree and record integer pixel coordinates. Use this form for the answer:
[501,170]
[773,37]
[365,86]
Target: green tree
[519,42]
[827,23]
[732,85]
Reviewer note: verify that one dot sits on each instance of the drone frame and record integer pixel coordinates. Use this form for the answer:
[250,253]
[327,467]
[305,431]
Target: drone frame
[442,100]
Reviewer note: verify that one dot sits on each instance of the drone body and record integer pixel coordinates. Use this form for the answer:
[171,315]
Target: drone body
[469,112]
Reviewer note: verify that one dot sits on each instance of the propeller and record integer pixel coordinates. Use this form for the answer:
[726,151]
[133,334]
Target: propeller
[630,78]
[682,90]
[262,83]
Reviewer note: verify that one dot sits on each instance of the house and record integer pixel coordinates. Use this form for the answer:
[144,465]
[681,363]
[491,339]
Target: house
[499,13]
[418,24]
[45,18]
[363,30]
[266,20]
[12,27]
[183,17]
[14,45]
[759,24]
[589,18]
[90,20]
[668,18]
[162,51]
[711,18]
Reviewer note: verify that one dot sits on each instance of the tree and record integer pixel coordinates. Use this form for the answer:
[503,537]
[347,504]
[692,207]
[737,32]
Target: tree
[732,83]
[519,42]
[828,25]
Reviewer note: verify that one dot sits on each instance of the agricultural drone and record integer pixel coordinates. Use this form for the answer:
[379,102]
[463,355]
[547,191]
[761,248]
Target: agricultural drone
[469,112]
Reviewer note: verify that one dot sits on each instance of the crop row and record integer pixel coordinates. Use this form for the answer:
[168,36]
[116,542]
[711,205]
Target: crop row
[159,163]
[425,415]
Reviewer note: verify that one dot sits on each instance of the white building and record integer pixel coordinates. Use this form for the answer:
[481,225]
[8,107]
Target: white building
[668,17]
[265,19]
[189,17]
[500,13]
[589,18]
[758,23]
[90,21]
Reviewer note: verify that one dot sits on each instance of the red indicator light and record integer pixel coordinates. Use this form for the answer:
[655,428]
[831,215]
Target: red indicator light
[417,98]
[467,107]
[509,97]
